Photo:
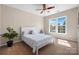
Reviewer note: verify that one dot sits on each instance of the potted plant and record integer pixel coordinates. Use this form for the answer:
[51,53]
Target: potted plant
[11,34]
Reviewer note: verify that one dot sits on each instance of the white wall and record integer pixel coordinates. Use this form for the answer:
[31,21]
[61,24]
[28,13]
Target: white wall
[16,18]
[0,22]
[0,16]
[78,33]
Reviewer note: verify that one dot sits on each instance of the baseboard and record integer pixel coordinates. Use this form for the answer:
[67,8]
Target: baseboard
[2,45]
[17,41]
[69,40]
[14,42]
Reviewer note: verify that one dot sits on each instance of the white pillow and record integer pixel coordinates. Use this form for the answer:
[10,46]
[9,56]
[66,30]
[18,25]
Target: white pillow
[26,30]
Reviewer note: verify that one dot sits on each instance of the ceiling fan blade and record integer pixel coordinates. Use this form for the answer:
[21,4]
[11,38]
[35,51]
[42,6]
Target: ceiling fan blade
[51,7]
[41,12]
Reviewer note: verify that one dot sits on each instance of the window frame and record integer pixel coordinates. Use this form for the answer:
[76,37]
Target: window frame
[56,31]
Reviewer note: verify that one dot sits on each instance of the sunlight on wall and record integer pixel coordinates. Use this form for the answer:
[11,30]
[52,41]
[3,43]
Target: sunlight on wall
[64,43]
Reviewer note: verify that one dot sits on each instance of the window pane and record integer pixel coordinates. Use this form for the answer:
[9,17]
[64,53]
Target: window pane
[61,29]
[61,20]
[53,22]
[52,28]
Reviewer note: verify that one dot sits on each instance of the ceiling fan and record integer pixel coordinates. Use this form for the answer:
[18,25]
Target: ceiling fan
[44,8]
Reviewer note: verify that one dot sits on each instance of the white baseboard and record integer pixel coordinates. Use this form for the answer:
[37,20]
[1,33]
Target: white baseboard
[17,41]
[2,45]
[5,43]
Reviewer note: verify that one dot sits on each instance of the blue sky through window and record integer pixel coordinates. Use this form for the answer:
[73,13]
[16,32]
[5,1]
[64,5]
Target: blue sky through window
[59,21]
[53,21]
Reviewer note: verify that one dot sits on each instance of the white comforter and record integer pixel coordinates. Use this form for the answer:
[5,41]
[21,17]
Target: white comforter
[37,41]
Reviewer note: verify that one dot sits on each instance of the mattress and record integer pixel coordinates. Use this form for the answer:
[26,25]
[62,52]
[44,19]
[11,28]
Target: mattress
[37,41]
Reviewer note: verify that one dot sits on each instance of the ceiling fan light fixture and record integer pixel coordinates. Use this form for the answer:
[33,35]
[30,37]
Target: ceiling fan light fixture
[45,8]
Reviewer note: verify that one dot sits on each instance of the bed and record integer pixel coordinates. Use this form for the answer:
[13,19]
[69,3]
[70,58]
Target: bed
[35,40]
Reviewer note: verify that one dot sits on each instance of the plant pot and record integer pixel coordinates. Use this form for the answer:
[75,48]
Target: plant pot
[10,43]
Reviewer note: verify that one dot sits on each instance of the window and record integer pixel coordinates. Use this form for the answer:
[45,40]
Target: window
[52,24]
[58,25]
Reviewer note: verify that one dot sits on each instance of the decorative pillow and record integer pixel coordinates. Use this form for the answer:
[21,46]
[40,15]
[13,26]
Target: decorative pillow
[22,33]
[31,32]
[41,31]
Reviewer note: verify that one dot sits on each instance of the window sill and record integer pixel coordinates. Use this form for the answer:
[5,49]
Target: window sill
[57,33]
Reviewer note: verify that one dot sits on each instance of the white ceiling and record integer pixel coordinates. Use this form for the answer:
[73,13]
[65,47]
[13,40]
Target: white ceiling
[32,8]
